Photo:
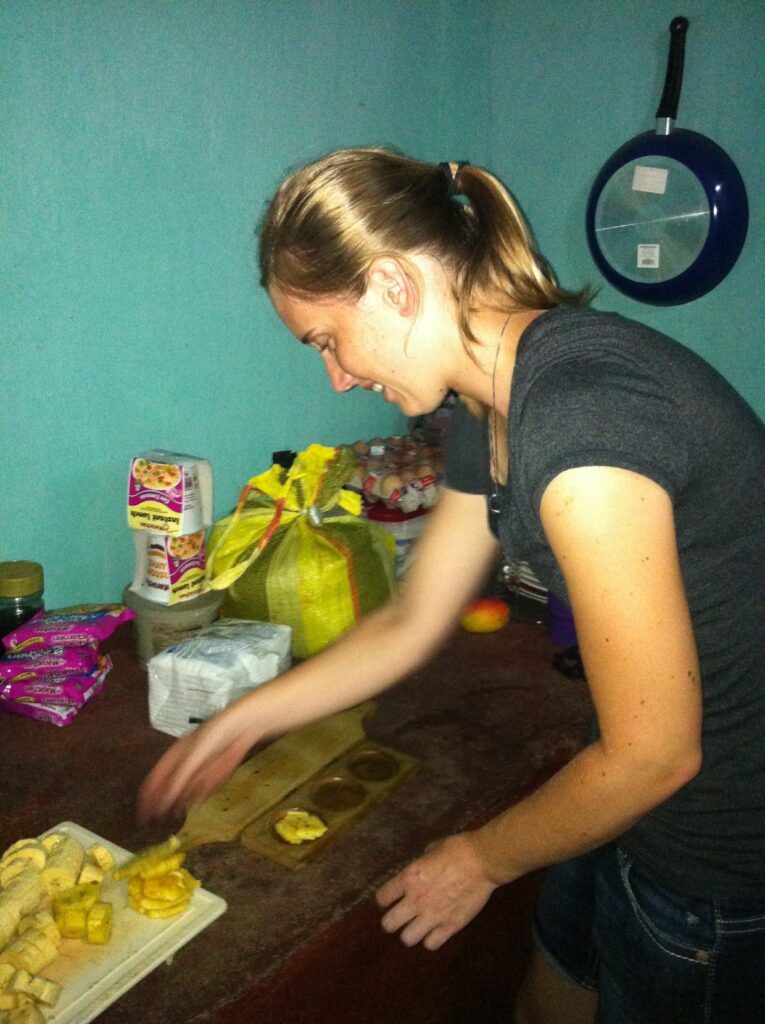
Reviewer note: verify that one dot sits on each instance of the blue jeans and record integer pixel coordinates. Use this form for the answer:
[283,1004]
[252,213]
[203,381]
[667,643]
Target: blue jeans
[654,955]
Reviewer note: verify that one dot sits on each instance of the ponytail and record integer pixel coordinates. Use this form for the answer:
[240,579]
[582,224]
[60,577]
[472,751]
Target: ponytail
[332,218]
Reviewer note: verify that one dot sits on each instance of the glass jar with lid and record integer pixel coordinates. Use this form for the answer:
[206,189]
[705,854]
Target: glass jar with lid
[21,593]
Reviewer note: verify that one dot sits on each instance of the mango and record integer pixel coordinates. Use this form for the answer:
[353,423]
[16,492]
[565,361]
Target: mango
[486,615]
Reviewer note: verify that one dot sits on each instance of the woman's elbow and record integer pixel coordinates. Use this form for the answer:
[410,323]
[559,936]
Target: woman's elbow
[689,766]
[658,774]
[676,770]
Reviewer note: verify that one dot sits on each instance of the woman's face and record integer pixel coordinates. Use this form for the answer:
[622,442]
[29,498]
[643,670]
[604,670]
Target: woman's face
[364,344]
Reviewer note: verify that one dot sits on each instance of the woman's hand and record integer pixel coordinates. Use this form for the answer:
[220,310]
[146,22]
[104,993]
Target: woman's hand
[195,765]
[437,894]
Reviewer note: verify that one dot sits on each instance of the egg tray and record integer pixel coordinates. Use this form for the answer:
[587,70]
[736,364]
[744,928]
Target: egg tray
[341,793]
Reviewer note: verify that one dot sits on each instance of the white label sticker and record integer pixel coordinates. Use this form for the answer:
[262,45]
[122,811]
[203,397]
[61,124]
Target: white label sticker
[650,179]
[648,256]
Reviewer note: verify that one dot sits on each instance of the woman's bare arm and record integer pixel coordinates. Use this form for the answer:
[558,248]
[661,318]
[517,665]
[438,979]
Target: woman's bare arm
[613,534]
[451,559]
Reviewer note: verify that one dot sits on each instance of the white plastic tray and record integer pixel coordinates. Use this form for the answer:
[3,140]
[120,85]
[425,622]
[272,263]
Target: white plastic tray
[93,977]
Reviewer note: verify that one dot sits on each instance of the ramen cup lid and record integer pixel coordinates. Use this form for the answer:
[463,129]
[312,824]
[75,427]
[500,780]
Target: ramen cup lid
[20,578]
[178,614]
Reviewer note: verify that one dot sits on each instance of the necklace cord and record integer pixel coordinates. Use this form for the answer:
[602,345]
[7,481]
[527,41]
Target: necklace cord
[494,502]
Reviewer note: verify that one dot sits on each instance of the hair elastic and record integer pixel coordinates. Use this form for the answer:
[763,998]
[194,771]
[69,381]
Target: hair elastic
[451,171]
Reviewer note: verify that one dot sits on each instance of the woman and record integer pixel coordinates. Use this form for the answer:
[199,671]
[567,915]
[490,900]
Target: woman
[632,478]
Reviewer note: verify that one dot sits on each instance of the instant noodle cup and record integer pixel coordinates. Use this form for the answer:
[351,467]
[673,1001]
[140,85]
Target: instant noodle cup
[169,569]
[169,493]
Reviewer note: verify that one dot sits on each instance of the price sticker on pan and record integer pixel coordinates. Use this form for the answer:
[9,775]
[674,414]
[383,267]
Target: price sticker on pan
[649,256]
[650,179]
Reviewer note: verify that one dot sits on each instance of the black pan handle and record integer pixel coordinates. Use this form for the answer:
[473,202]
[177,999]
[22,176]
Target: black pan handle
[673,80]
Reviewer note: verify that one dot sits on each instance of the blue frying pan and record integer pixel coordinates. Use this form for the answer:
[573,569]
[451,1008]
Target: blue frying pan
[668,213]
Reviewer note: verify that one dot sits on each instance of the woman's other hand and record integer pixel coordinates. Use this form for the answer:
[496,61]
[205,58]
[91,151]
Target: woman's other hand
[437,894]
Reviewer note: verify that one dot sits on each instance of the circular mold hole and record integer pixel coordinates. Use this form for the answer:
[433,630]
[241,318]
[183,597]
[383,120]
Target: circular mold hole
[280,816]
[338,794]
[372,765]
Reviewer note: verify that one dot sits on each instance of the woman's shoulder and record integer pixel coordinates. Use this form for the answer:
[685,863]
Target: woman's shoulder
[568,344]
[579,330]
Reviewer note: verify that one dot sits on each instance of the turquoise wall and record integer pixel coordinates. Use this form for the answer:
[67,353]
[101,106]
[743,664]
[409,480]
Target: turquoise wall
[140,140]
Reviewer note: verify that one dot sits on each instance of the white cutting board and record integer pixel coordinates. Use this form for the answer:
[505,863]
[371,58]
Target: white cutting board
[93,977]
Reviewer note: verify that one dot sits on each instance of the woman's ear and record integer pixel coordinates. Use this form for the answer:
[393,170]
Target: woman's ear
[390,281]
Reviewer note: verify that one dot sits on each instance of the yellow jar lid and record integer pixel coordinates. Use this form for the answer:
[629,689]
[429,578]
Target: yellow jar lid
[20,578]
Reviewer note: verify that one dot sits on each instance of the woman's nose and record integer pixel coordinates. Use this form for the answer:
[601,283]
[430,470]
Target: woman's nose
[339,379]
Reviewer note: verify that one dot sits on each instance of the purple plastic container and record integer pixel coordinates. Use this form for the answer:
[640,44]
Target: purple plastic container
[560,622]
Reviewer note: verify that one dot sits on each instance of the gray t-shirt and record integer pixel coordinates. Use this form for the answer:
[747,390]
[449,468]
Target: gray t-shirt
[593,388]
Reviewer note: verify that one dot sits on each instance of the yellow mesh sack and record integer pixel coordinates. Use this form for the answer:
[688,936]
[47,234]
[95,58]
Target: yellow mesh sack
[297,551]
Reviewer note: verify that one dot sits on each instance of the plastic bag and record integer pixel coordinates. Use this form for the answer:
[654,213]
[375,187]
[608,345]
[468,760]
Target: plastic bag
[297,551]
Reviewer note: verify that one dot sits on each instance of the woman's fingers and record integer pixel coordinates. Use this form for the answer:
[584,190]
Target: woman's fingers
[436,938]
[437,894]
[194,766]
[391,891]
[157,794]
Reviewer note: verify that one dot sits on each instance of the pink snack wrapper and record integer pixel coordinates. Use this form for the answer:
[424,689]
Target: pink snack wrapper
[58,702]
[86,624]
[58,688]
[56,714]
[47,661]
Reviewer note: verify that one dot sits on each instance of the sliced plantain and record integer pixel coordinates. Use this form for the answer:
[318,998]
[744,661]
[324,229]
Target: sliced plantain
[29,850]
[90,873]
[72,922]
[44,990]
[64,865]
[150,858]
[169,911]
[100,856]
[9,921]
[25,891]
[27,1013]
[43,923]
[10,870]
[99,924]
[52,840]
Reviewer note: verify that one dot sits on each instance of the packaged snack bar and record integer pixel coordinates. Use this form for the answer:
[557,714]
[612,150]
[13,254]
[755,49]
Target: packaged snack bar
[60,689]
[56,714]
[86,624]
[47,661]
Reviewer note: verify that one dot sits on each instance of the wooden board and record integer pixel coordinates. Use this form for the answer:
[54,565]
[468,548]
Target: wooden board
[265,779]
[339,794]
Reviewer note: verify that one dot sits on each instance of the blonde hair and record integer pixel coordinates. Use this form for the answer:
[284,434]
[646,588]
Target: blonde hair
[332,218]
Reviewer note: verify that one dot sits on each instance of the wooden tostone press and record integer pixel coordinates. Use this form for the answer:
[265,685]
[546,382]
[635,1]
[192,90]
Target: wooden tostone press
[328,769]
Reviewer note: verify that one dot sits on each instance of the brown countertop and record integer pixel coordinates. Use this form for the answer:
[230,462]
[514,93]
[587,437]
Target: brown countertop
[489,719]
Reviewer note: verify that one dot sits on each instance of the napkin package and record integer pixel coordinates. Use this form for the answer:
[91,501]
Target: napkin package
[200,676]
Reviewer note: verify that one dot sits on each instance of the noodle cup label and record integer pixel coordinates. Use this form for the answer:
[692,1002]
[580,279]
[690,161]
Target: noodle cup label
[169,493]
[169,569]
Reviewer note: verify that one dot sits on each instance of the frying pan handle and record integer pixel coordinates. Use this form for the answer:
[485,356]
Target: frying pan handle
[673,80]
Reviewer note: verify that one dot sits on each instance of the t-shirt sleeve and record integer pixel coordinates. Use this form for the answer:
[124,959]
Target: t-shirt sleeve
[466,458]
[597,413]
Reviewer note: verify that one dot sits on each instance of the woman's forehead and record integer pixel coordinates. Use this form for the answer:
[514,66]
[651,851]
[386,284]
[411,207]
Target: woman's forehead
[304,315]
